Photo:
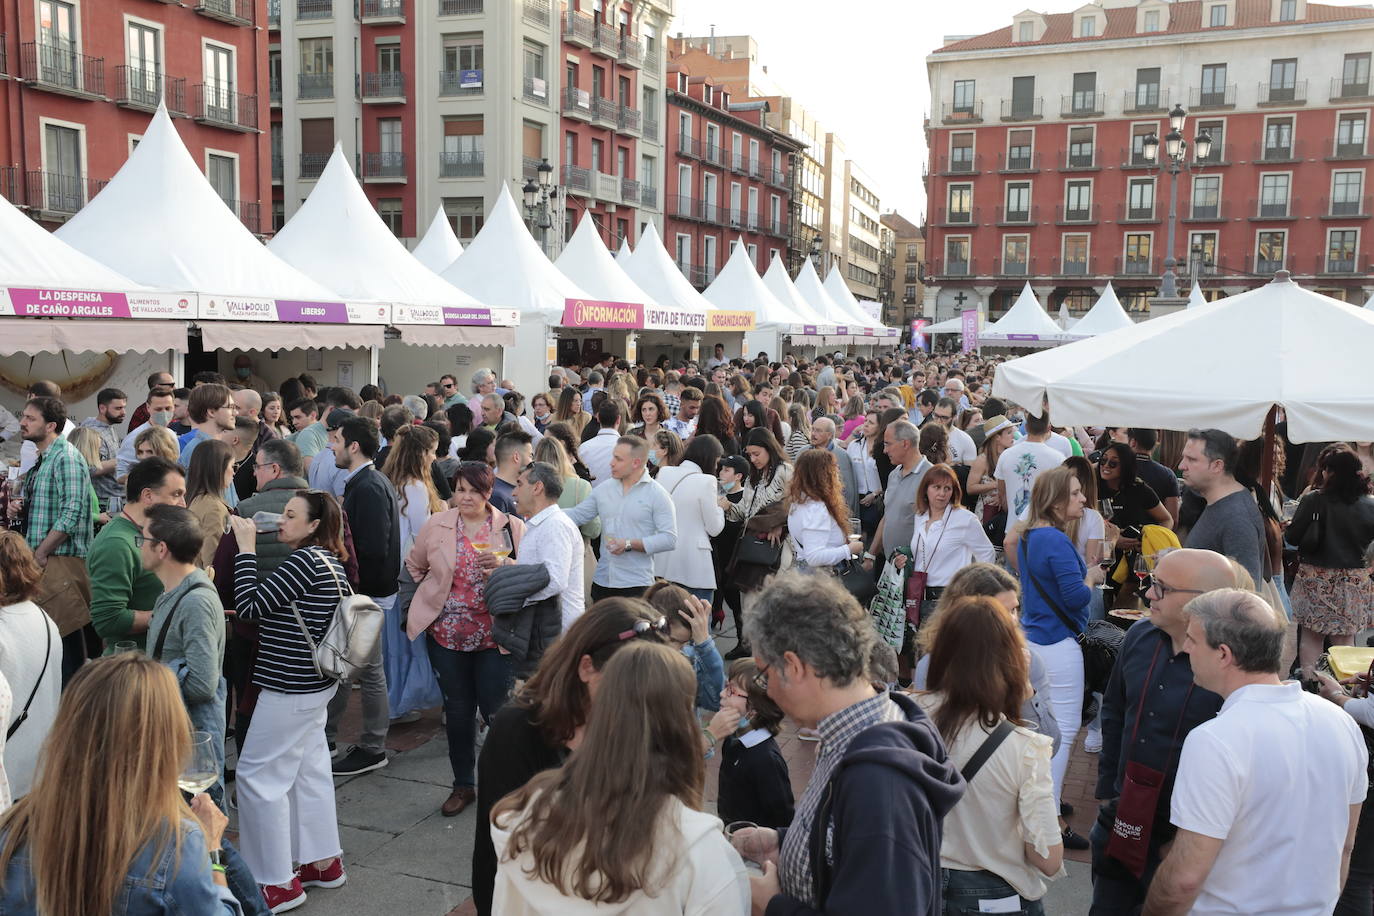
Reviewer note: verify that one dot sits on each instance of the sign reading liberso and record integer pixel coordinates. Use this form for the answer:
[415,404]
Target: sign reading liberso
[453,315]
[245,308]
[29,302]
[720,320]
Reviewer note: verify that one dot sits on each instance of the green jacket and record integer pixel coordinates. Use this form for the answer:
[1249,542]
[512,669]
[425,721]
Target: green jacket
[119,583]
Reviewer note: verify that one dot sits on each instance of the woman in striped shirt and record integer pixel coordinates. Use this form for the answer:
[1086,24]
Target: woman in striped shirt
[285,787]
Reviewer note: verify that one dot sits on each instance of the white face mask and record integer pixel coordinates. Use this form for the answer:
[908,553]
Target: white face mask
[160,417]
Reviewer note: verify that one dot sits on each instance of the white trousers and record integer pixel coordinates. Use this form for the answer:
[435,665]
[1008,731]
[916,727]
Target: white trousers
[1063,663]
[286,786]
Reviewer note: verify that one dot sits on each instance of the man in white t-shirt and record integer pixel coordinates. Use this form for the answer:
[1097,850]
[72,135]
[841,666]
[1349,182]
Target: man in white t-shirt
[1268,793]
[961,447]
[1060,443]
[1019,465]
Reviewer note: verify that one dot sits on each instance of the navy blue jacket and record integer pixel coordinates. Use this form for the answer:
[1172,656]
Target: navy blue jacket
[375,516]
[883,810]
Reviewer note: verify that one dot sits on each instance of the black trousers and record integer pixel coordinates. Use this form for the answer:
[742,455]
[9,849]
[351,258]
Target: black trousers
[602,591]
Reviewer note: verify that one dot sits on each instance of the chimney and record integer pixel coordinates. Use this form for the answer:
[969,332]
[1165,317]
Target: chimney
[711,47]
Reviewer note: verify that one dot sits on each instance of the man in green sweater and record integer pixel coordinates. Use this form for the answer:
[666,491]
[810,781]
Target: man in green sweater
[122,591]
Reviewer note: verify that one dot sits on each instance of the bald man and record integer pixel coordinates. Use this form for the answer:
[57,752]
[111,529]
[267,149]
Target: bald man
[823,436]
[1152,683]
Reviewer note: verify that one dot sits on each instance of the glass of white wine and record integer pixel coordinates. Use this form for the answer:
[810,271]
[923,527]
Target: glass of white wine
[501,544]
[202,766]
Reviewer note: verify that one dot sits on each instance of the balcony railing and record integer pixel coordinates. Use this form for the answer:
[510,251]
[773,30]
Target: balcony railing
[11,185]
[234,12]
[968,217]
[1125,213]
[1270,210]
[1075,267]
[59,193]
[1218,212]
[1264,266]
[380,86]
[1200,98]
[460,7]
[577,102]
[1135,159]
[577,178]
[607,40]
[314,9]
[1023,109]
[628,119]
[58,68]
[683,207]
[631,51]
[1136,267]
[142,89]
[648,196]
[536,90]
[953,267]
[389,166]
[777,178]
[1082,105]
[381,11]
[713,153]
[1219,154]
[1070,161]
[315,85]
[1348,150]
[579,28]
[964,164]
[537,11]
[605,187]
[1357,208]
[1077,216]
[312,164]
[629,190]
[1014,268]
[1343,90]
[1018,216]
[464,164]
[529,167]
[780,227]
[650,128]
[278,168]
[451,84]
[1144,99]
[1026,162]
[651,57]
[605,109]
[971,113]
[248,212]
[1347,263]
[274,14]
[1285,152]
[686,146]
[1295,94]
[222,107]
[274,91]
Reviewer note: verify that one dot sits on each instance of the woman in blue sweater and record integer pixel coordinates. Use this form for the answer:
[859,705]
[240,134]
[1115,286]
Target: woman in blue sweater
[1056,591]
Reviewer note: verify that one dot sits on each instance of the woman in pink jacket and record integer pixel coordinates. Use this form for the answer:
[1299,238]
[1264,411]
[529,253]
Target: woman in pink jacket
[452,556]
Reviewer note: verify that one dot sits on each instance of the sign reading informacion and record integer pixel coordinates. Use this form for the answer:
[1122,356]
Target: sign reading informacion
[590,313]
[721,320]
[28,302]
[243,308]
[453,315]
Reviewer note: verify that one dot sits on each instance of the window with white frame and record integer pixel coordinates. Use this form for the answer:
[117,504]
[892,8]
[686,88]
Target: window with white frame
[683,252]
[1140,198]
[1202,252]
[960,203]
[222,172]
[1342,246]
[1274,194]
[1347,189]
[1216,15]
[1270,251]
[1075,255]
[1206,197]
[1138,260]
[1015,255]
[957,249]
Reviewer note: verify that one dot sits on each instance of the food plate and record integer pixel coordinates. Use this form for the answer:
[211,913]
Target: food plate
[1131,614]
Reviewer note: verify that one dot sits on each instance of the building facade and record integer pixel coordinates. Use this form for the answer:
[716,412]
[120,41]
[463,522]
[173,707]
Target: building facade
[729,176]
[80,81]
[1038,169]
[909,255]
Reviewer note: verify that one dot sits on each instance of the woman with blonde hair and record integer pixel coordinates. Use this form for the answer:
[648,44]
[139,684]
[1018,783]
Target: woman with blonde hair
[825,404]
[798,417]
[620,824]
[570,411]
[87,442]
[78,845]
[156,441]
[817,520]
[665,451]
[998,435]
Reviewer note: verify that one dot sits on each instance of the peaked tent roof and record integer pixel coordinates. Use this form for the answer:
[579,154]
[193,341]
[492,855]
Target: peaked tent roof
[440,247]
[809,285]
[1025,320]
[504,267]
[160,223]
[653,271]
[777,282]
[738,287]
[848,305]
[33,256]
[622,257]
[589,263]
[337,236]
[1370,304]
[1195,298]
[1105,315]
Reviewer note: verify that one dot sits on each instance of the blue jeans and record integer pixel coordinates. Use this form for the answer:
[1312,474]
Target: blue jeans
[469,681]
[963,890]
[705,594]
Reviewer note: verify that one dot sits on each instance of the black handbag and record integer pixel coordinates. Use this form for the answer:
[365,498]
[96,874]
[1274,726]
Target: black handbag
[756,550]
[1314,536]
[1100,640]
[858,581]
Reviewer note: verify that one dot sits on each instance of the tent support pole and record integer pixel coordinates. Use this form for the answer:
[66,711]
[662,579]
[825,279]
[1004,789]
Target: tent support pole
[1267,458]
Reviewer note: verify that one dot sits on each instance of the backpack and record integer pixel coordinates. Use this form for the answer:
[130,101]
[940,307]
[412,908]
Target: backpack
[352,637]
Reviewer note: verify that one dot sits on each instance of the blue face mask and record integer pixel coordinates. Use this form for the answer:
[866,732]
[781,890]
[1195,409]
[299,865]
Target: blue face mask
[727,486]
[743,723]
[654,459]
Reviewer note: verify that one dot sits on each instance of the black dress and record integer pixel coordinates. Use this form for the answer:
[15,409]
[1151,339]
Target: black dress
[754,784]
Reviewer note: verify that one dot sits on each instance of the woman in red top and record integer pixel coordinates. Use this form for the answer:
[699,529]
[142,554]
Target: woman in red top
[453,554]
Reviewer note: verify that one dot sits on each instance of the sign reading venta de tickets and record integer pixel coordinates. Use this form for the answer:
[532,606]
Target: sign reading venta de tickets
[27,302]
[592,313]
[244,308]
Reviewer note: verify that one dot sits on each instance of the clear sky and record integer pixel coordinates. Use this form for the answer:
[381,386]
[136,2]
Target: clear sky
[859,67]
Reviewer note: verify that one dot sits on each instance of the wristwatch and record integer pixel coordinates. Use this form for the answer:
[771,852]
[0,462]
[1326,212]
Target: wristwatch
[216,858]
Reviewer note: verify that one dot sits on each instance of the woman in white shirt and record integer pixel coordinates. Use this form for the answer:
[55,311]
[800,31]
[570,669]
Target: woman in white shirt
[691,485]
[947,537]
[817,521]
[866,477]
[1002,840]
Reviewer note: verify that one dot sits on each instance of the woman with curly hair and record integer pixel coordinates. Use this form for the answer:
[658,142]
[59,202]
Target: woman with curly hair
[817,520]
[715,420]
[649,413]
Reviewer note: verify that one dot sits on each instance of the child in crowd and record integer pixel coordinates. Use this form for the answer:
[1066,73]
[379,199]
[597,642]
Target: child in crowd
[689,631]
[754,783]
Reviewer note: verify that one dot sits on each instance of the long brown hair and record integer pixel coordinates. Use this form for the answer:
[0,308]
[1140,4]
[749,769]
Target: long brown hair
[555,693]
[978,664]
[408,461]
[564,413]
[324,508]
[816,477]
[592,831]
[122,715]
[715,418]
[19,571]
[205,475]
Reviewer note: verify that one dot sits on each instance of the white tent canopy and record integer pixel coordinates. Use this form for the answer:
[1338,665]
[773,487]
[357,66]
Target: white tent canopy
[1284,346]
[953,325]
[440,247]
[776,281]
[588,263]
[31,256]
[622,257]
[847,305]
[337,237]
[1105,316]
[1195,298]
[653,271]
[504,267]
[1025,324]
[738,287]
[1370,304]
[161,223]
[809,285]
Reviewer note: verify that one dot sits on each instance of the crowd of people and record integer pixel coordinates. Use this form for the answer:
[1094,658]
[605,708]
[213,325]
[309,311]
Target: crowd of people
[553,570]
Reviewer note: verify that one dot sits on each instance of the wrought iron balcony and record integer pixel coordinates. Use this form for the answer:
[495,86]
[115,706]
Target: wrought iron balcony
[1125,213]
[58,68]
[383,87]
[650,128]
[969,217]
[1212,97]
[1283,96]
[628,119]
[274,91]
[384,167]
[1136,267]
[1083,105]
[1077,216]
[1215,212]
[648,196]
[220,106]
[248,212]
[1018,216]
[1016,268]
[1026,162]
[451,84]
[460,7]
[579,28]
[315,85]
[1144,100]
[972,113]
[607,41]
[1348,150]
[314,9]
[1342,263]
[59,193]
[278,168]
[576,178]
[1023,109]
[142,89]
[1075,267]
[312,164]
[631,51]
[536,90]
[234,12]
[1274,209]
[1346,208]
[1349,90]
[1070,161]
[605,109]
[537,11]
[1270,264]
[12,185]
[629,190]
[379,12]
[577,103]
[464,164]
[274,14]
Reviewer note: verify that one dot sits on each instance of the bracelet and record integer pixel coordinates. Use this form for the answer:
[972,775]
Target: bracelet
[218,868]
[869,556]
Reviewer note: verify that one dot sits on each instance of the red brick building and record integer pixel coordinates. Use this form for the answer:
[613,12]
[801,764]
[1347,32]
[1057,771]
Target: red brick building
[728,176]
[79,81]
[1037,169]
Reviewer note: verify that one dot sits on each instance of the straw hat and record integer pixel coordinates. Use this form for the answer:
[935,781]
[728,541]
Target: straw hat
[994,425]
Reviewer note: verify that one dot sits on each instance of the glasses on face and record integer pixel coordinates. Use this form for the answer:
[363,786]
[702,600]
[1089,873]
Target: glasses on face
[263,467]
[1152,583]
[761,679]
[1111,464]
[141,539]
[942,417]
[447,387]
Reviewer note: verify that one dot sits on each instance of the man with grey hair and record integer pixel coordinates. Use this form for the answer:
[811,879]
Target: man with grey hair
[909,466]
[823,436]
[1269,792]
[416,405]
[550,538]
[882,783]
[483,383]
[596,381]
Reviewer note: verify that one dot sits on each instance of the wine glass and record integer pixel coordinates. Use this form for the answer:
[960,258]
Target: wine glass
[1105,559]
[501,543]
[1104,506]
[202,766]
[1142,568]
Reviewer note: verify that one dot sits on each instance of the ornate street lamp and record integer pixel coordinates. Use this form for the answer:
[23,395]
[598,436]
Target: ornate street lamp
[1175,153]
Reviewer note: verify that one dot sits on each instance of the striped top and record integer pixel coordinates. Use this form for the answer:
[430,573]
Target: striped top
[285,663]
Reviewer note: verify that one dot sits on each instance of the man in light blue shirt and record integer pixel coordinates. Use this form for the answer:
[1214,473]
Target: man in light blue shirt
[637,519]
[324,473]
[595,383]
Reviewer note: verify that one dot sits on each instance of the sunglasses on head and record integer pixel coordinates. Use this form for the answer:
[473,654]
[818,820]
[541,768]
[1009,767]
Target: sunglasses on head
[640,628]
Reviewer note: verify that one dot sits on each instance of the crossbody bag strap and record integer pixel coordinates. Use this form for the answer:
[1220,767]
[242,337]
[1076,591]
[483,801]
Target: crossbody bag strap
[47,650]
[985,750]
[296,611]
[167,624]
[936,548]
[1063,618]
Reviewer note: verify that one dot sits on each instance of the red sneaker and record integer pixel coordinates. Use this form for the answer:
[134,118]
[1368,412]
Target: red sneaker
[333,876]
[280,899]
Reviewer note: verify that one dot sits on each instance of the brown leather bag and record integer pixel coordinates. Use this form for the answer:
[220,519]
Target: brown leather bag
[64,593]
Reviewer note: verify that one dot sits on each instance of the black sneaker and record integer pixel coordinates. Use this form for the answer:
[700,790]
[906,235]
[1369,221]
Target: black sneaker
[1073,840]
[740,651]
[358,761]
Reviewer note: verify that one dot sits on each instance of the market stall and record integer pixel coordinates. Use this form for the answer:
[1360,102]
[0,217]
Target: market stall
[440,246]
[1105,316]
[807,337]
[653,270]
[835,322]
[1025,325]
[865,334]
[738,289]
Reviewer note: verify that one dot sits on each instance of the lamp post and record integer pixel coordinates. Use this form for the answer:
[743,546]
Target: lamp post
[1175,152]
[541,198]
[817,255]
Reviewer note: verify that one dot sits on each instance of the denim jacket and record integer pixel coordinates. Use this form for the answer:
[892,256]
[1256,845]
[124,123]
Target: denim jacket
[710,671]
[150,888]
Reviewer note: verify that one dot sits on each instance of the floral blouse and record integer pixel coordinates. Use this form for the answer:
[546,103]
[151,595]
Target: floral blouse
[464,624]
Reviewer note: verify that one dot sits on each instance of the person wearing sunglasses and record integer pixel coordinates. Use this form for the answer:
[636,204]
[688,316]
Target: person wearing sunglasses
[1134,502]
[1148,709]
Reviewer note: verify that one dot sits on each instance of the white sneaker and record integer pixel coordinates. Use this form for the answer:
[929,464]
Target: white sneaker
[1092,742]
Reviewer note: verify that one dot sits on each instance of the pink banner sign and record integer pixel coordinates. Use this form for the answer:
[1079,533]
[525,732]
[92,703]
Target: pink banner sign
[918,336]
[969,326]
[323,312]
[589,313]
[68,303]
